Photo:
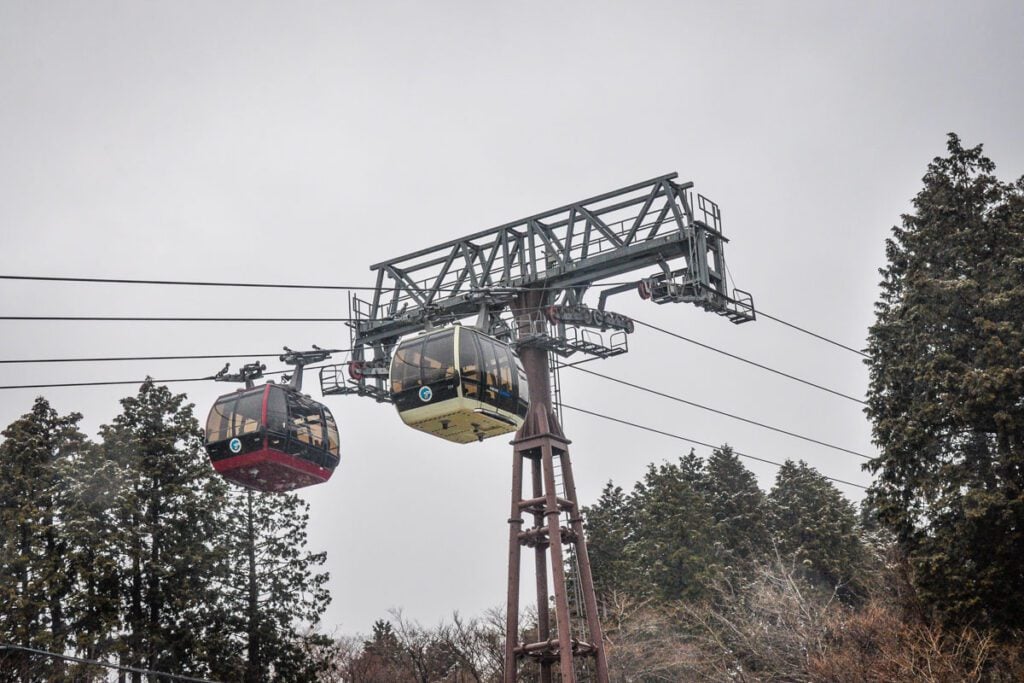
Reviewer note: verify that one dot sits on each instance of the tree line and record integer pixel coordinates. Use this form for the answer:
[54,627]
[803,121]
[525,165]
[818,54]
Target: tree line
[701,575]
[131,550]
[687,545]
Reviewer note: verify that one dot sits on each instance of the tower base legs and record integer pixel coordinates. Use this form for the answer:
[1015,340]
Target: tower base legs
[547,454]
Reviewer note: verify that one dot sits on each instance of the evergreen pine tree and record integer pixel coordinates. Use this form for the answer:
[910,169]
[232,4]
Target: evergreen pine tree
[609,524]
[135,549]
[165,509]
[738,509]
[673,527]
[947,380]
[35,574]
[683,526]
[92,484]
[815,526]
[383,657]
[274,587]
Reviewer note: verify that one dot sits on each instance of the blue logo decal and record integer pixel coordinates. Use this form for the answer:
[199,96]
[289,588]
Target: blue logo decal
[426,394]
[235,445]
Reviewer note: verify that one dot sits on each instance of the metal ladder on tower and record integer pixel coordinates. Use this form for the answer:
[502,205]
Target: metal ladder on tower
[576,606]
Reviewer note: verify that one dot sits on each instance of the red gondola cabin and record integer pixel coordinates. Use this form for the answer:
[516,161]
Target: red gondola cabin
[272,438]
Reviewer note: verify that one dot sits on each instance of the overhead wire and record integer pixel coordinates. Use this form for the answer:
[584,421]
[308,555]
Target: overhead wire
[559,366]
[158,675]
[572,365]
[821,337]
[186,283]
[813,334]
[208,378]
[341,320]
[693,441]
[733,416]
[210,283]
[312,367]
[204,283]
[112,359]
[749,362]
[214,319]
[273,285]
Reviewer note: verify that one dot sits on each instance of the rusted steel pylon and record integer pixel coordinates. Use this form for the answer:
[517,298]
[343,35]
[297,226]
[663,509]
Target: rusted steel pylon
[539,441]
[517,268]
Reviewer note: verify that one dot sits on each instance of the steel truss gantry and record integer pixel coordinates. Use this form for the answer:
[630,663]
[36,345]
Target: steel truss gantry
[525,282]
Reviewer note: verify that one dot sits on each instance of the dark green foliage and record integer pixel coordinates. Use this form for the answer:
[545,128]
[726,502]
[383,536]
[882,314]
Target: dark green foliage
[383,642]
[689,527]
[672,522]
[164,506]
[739,528]
[92,483]
[382,658]
[271,582]
[947,381]
[685,525]
[36,574]
[609,530]
[816,528]
[135,551]
[708,578]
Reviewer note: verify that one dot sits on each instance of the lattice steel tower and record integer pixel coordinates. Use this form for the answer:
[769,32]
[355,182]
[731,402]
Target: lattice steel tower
[525,282]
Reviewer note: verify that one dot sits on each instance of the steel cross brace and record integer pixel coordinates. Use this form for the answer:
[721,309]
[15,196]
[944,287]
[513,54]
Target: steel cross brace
[568,248]
[540,441]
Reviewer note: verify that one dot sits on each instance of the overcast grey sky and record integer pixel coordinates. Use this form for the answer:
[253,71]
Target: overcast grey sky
[301,142]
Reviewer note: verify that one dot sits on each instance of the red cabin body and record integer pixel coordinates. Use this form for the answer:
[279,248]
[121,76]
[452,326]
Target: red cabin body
[272,438]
